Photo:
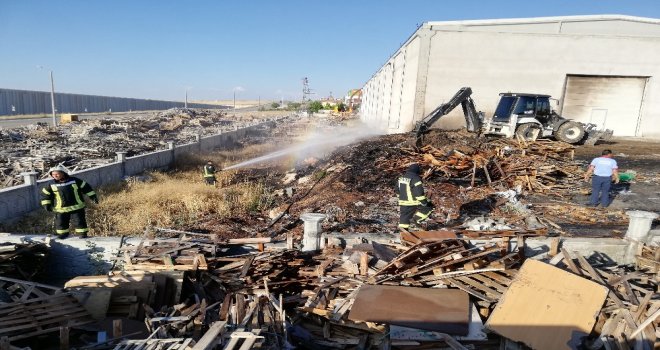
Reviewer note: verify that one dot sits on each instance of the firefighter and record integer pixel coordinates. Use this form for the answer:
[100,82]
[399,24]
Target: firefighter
[209,173]
[65,197]
[413,204]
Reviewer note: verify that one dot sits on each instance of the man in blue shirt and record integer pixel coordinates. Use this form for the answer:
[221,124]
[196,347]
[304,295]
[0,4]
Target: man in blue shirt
[603,168]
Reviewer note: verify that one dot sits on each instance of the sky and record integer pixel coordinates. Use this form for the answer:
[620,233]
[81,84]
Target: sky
[213,49]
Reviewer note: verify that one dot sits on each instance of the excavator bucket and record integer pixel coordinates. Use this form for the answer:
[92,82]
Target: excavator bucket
[594,136]
[462,97]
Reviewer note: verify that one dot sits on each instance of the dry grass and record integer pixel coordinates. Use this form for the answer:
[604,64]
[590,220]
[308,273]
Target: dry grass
[175,199]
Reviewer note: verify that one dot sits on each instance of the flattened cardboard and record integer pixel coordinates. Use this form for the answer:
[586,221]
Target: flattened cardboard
[547,308]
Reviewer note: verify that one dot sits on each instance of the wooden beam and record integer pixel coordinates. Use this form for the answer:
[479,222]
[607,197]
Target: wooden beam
[210,339]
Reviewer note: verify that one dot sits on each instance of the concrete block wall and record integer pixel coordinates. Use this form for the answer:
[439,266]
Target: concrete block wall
[16,201]
[94,256]
[19,200]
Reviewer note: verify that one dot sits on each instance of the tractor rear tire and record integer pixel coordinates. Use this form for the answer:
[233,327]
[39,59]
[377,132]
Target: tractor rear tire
[570,132]
[528,131]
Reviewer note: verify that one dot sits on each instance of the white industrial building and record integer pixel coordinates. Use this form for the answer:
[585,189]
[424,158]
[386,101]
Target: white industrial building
[602,69]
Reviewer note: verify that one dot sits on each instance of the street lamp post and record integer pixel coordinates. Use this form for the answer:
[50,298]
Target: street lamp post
[52,95]
[52,98]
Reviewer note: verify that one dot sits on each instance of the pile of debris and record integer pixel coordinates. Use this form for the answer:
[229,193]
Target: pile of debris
[431,289]
[23,260]
[512,185]
[94,142]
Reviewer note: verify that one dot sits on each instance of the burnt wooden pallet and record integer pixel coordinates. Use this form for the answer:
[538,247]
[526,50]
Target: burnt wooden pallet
[21,320]
[153,344]
[19,290]
[242,340]
[488,286]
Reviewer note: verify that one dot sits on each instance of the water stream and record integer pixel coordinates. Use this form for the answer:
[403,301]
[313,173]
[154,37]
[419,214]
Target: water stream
[316,145]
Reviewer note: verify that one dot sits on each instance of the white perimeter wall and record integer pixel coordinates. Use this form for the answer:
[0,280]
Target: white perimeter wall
[390,95]
[435,63]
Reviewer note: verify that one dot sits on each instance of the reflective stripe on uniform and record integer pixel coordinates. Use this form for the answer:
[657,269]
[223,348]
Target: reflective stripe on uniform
[61,231]
[404,225]
[410,201]
[422,216]
[46,201]
[89,194]
[45,191]
[58,200]
[207,172]
[82,230]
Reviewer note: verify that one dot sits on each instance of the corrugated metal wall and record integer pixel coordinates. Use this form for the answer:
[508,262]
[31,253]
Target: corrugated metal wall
[38,102]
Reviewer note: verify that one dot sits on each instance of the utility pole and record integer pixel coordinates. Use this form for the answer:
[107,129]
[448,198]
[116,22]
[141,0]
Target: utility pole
[234,98]
[306,90]
[52,95]
[52,98]
[185,104]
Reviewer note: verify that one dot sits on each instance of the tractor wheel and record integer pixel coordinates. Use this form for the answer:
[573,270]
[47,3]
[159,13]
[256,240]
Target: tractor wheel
[570,132]
[528,131]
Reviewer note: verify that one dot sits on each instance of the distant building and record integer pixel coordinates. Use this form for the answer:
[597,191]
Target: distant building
[353,99]
[329,101]
[602,69]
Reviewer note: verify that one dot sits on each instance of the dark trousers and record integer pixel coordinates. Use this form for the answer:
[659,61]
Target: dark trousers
[418,213]
[600,190]
[76,218]
[210,180]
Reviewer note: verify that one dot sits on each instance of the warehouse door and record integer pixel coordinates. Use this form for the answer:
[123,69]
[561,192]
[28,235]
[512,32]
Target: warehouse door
[609,102]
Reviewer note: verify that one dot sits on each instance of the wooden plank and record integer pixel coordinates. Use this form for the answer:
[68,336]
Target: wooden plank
[596,277]
[471,291]
[478,286]
[64,338]
[224,308]
[444,310]
[210,338]
[568,259]
[246,266]
[543,296]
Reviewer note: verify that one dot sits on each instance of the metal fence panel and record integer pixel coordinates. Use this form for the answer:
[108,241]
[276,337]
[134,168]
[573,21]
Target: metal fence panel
[38,102]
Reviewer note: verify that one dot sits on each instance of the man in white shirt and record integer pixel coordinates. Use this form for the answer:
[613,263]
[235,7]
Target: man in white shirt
[603,168]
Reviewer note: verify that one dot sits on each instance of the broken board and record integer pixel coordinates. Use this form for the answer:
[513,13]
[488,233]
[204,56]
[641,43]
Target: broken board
[475,333]
[547,308]
[427,236]
[441,310]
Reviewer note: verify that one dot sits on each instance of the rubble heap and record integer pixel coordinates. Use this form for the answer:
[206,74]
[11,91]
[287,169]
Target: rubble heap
[431,289]
[25,261]
[509,184]
[94,142]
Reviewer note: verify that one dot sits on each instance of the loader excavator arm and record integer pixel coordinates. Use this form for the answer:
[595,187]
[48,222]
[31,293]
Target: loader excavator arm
[472,117]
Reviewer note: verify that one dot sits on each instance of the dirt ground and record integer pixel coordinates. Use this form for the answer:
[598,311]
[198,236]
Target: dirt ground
[643,157]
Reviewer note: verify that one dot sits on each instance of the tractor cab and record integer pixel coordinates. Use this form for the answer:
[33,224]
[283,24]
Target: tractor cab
[516,112]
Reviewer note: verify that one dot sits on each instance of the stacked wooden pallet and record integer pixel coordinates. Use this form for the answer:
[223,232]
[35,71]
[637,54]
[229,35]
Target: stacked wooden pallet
[42,315]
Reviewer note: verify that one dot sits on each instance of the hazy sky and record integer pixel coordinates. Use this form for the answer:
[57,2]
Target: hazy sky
[157,49]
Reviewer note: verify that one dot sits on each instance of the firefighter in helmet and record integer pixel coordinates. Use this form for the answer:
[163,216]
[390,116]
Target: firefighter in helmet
[209,173]
[413,204]
[66,198]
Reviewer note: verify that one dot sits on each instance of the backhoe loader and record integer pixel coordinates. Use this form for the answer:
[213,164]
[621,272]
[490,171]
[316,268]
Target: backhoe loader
[528,116]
